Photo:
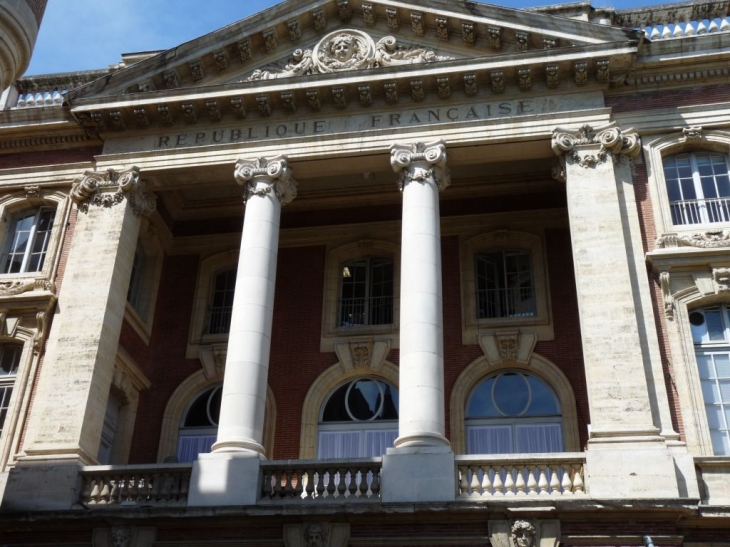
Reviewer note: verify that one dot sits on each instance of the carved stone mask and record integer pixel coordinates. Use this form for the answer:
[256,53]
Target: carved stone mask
[523,534]
[315,535]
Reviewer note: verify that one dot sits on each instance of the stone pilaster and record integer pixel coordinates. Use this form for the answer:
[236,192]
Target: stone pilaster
[67,417]
[620,352]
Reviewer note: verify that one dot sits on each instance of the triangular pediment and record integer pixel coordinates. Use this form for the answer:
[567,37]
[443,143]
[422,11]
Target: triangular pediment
[302,44]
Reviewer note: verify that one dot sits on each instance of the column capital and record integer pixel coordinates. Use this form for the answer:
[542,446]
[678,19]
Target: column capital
[110,187]
[610,139]
[261,176]
[419,162]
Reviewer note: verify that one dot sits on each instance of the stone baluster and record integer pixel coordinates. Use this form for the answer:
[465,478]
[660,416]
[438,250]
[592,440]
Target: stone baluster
[554,481]
[497,484]
[423,175]
[509,483]
[269,185]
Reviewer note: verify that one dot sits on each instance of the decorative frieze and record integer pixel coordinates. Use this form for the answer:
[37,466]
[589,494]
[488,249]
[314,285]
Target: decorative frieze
[339,97]
[497,77]
[391,92]
[171,79]
[365,95]
[320,20]
[471,86]
[140,115]
[288,102]
[349,49]
[524,79]
[239,108]
[20,286]
[222,61]
[214,111]
[109,188]
[603,71]
[442,29]
[552,76]
[417,92]
[295,30]
[417,24]
[580,73]
[244,50]
[262,102]
[264,176]
[420,161]
[444,87]
[197,72]
[165,114]
[271,42]
[368,14]
[610,139]
[189,114]
[668,297]
[523,40]
[391,14]
[495,38]
[313,100]
[469,34]
[345,11]
[711,239]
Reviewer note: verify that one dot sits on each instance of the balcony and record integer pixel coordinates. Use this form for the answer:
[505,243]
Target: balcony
[700,211]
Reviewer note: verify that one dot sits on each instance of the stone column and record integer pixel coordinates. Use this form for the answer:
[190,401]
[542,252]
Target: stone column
[269,185]
[628,457]
[423,175]
[66,421]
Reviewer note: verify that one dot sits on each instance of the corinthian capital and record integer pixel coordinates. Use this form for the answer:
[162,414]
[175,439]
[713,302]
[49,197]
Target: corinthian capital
[263,176]
[420,162]
[610,138]
[110,187]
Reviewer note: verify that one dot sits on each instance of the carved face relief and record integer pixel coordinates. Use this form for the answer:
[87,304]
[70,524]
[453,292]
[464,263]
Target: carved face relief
[523,534]
[121,536]
[315,535]
[341,48]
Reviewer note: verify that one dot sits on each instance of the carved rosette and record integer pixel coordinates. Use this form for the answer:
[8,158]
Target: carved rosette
[109,188]
[264,176]
[420,162]
[610,139]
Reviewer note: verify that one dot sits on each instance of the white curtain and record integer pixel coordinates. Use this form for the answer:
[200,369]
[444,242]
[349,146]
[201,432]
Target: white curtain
[338,444]
[489,439]
[189,447]
[536,438]
[376,442]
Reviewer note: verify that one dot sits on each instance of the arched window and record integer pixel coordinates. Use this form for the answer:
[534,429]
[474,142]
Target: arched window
[221,303]
[698,187]
[26,243]
[199,427]
[504,284]
[359,419]
[366,292]
[513,412]
[711,335]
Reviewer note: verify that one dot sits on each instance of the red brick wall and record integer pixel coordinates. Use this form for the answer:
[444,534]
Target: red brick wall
[49,157]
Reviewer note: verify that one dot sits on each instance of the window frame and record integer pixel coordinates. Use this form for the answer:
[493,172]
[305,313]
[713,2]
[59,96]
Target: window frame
[504,240]
[369,269]
[10,236]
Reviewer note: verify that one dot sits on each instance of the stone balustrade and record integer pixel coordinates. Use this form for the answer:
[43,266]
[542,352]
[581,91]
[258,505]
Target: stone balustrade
[135,485]
[320,480]
[521,475]
[678,20]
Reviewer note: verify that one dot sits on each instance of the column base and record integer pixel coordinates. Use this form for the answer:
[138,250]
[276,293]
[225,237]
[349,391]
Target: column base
[250,447]
[421,439]
[225,478]
[418,474]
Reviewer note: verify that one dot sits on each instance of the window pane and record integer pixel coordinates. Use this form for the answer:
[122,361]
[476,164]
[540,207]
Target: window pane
[10,360]
[338,444]
[189,446]
[544,401]
[710,391]
[489,440]
[704,364]
[714,417]
[722,365]
[715,327]
[377,442]
[720,443]
[481,403]
[725,390]
[334,409]
[539,438]
[364,399]
[511,394]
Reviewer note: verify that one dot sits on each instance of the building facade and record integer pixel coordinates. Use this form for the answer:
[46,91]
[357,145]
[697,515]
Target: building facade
[371,273]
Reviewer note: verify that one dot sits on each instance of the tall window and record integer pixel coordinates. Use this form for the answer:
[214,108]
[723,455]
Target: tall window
[199,428]
[711,336]
[513,412]
[366,292]
[698,187]
[140,289]
[358,420]
[9,363]
[27,241]
[504,284]
[109,430]
[219,313]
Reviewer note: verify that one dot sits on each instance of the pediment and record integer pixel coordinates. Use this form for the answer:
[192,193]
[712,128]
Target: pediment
[301,43]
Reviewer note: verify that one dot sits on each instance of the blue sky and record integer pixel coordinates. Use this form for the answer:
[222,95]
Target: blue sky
[89,34]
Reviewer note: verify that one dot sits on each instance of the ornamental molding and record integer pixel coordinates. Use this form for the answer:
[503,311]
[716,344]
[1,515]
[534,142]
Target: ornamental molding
[711,239]
[694,133]
[349,49]
[20,286]
[264,176]
[316,534]
[524,533]
[109,188]
[610,139]
[668,297]
[362,354]
[721,277]
[420,162]
[502,346]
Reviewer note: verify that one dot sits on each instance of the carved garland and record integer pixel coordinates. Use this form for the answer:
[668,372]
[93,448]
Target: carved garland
[711,239]
[109,188]
[420,162]
[611,139]
[263,176]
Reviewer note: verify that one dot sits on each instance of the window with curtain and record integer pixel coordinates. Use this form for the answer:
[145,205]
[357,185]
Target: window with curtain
[698,187]
[366,292]
[504,284]
[358,420]
[27,241]
[9,364]
[513,412]
[711,335]
[221,303]
[199,427]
